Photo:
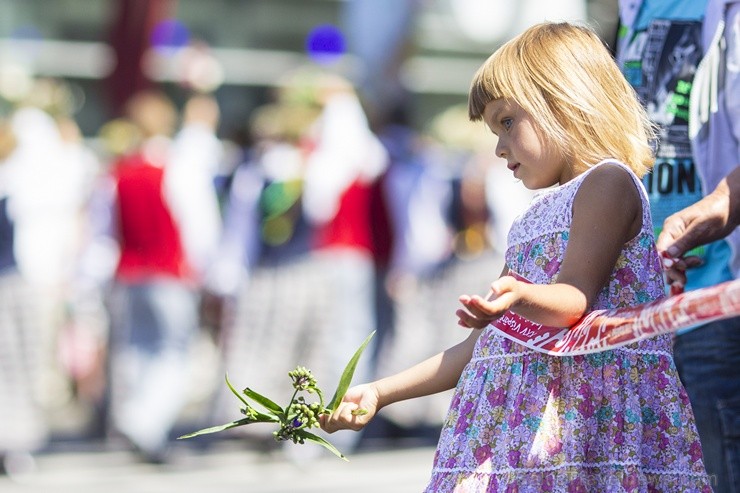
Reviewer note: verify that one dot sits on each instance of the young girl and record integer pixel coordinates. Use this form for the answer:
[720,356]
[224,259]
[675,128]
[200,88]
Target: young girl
[521,420]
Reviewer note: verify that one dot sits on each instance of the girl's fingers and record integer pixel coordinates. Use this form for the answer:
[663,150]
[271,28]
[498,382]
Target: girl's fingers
[479,311]
[333,422]
[491,309]
[342,418]
[469,321]
[348,419]
[478,307]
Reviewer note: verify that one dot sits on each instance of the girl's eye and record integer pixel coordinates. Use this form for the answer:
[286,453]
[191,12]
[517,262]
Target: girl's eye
[506,123]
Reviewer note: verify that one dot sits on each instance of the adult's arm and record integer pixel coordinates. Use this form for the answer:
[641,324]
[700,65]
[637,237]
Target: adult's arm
[712,218]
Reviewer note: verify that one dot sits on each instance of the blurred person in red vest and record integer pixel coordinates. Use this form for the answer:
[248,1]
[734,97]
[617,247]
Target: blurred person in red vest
[299,223]
[164,221]
[343,167]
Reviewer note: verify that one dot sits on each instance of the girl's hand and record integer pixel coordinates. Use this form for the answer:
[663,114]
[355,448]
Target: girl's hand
[480,312]
[357,408]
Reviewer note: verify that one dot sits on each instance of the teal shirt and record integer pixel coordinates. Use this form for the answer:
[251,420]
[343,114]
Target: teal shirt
[660,61]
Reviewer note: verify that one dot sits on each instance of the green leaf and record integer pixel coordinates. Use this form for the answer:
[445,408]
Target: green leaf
[307,435]
[261,417]
[346,378]
[264,402]
[264,418]
[235,392]
[215,429]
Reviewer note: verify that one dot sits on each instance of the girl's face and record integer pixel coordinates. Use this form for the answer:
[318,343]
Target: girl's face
[536,163]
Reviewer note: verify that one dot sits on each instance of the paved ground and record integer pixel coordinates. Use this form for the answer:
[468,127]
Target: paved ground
[223,468]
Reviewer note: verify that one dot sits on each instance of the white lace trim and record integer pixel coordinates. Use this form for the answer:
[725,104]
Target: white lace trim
[646,351]
[585,465]
[656,352]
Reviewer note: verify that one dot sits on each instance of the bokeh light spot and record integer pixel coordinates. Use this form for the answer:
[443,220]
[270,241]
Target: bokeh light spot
[325,44]
[170,34]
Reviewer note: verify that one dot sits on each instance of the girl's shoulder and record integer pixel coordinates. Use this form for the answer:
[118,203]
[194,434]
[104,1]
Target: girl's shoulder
[606,186]
[608,170]
[610,178]
[607,174]
[613,191]
[612,174]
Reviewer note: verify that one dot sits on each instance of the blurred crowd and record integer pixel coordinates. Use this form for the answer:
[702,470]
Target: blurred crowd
[140,265]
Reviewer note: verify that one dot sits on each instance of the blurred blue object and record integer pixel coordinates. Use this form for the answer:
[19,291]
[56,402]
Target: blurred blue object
[325,44]
[170,33]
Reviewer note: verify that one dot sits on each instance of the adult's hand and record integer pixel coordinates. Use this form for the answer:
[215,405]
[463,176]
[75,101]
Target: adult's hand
[712,218]
[698,224]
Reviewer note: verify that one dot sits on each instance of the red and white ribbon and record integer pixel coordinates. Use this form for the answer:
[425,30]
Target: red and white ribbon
[601,330]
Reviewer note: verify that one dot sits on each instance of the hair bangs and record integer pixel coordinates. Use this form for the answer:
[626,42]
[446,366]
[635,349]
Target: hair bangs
[495,79]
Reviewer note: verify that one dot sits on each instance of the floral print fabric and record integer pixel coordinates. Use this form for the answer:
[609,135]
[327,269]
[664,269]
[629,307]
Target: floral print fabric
[615,421]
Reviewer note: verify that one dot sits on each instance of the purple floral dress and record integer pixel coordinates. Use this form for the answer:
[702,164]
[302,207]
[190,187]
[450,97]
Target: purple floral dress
[620,420]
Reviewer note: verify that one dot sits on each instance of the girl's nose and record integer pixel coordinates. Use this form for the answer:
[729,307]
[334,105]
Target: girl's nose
[501,150]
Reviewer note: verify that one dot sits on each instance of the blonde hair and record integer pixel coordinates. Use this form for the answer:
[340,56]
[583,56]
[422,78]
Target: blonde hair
[565,78]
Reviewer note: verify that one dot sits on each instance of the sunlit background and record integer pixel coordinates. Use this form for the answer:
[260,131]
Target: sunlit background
[419,52]
[409,63]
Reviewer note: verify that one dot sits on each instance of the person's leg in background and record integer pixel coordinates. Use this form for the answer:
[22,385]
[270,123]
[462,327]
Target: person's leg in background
[150,364]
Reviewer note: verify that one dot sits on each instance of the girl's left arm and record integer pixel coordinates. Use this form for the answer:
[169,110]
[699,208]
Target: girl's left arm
[607,213]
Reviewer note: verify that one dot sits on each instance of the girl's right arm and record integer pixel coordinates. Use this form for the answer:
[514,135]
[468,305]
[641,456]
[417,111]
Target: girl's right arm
[436,374]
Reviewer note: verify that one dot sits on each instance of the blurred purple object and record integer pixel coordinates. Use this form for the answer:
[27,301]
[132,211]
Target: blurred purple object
[170,33]
[325,44]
